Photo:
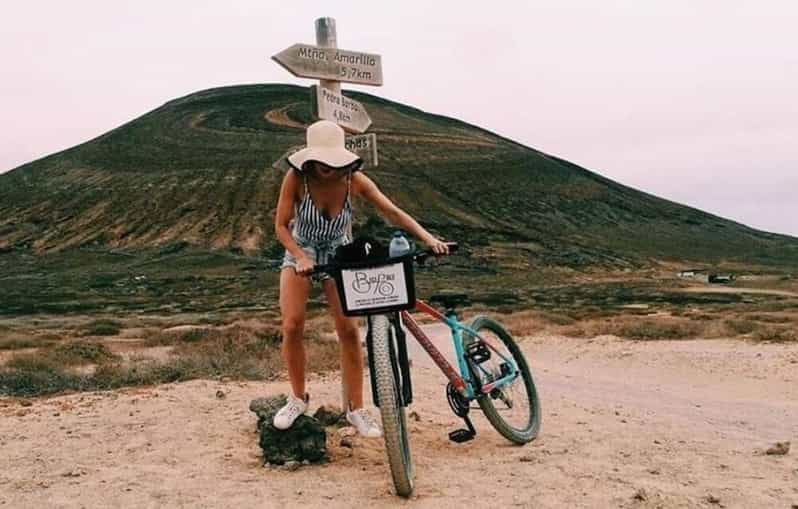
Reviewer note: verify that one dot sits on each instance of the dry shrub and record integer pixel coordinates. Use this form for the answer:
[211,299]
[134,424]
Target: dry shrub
[645,329]
[558,318]
[660,329]
[760,317]
[232,351]
[250,352]
[18,343]
[577,331]
[81,352]
[74,353]
[102,327]
[173,337]
[522,323]
[27,375]
[776,334]
[739,327]
[323,356]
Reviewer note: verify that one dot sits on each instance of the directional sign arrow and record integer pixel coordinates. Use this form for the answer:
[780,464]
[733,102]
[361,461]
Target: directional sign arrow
[346,112]
[364,145]
[306,61]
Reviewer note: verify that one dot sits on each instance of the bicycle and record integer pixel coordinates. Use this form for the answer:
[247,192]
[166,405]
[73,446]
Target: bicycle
[499,387]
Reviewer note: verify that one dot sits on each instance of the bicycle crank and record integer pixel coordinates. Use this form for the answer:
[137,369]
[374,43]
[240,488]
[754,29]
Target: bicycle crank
[460,406]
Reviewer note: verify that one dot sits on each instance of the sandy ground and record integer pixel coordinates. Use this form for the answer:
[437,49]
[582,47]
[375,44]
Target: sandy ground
[625,424]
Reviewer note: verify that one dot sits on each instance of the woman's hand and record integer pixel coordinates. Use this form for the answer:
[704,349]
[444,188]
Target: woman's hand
[304,266]
[437,246]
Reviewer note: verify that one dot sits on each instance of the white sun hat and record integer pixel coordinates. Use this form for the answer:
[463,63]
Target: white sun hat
[325,144]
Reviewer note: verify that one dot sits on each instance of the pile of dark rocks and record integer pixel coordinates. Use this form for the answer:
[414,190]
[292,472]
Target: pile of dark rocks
[304,442]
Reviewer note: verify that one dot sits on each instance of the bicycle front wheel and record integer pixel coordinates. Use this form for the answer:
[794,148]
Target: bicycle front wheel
[394,425]
[513,408]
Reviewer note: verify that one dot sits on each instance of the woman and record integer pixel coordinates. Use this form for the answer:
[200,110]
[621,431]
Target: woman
[316,194]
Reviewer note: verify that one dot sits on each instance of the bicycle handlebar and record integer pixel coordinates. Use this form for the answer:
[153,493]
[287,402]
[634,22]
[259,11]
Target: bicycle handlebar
[418,256]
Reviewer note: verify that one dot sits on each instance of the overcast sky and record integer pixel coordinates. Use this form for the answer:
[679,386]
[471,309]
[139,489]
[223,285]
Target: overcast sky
[692,100]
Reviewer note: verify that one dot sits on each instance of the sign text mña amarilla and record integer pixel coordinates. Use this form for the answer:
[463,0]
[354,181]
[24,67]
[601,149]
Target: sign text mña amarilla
[307,61]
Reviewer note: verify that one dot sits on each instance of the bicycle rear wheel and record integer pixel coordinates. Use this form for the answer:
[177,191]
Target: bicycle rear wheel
[513,409]
[394,425]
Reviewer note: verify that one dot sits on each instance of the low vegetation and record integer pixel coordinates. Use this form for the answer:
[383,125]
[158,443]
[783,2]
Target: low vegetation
[238,352]
[659,326]
[216,319]
[18,343]
[102,327]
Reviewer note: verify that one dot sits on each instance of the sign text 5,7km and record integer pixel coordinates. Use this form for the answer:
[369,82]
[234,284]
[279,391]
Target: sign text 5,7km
[306,61]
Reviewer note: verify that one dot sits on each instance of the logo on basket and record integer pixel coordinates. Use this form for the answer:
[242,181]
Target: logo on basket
[374,284]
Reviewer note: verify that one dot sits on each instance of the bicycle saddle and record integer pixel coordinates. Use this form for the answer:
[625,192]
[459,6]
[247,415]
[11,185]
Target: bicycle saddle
[450,300]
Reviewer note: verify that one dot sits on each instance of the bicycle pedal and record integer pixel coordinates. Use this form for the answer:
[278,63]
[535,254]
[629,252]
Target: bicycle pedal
[461,435]
[477,352]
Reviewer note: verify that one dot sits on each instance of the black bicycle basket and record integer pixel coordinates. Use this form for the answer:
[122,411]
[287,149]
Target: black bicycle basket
[370,282]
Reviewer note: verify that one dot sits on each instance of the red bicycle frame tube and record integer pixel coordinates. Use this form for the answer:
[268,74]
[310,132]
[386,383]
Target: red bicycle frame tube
[426,343]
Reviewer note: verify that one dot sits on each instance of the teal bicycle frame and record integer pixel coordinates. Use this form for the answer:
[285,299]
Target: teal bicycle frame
[461,381]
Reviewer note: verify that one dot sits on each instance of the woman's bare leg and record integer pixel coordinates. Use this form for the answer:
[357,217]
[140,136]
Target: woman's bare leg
[351,350]
[294,291]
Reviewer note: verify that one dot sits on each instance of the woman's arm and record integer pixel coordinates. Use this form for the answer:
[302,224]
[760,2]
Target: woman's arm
[366,187]
[285,212]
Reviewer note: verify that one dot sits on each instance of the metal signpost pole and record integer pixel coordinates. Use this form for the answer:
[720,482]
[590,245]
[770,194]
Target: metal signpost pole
[326,37]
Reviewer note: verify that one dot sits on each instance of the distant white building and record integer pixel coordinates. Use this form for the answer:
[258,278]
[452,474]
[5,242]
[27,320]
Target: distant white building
[691,273]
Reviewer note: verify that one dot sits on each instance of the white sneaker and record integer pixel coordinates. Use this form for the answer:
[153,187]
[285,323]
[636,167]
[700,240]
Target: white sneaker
[286,416]
[362,421]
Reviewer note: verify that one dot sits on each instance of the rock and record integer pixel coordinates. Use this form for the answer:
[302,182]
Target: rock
[26,402]
[220,394]
[305,440]
[527,458]
[779,449]
[414,415]
[346,442]
[348,431]
[329,415]
[267,406]
[640,495]
[73,473]
[292,465]
[712,499]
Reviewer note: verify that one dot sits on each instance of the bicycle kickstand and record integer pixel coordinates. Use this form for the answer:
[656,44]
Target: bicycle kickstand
[460,407]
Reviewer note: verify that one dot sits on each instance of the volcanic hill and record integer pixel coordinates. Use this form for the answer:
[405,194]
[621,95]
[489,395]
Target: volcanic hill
[197,170]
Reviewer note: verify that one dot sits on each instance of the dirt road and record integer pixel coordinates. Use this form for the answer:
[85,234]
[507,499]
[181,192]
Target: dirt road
[625,424]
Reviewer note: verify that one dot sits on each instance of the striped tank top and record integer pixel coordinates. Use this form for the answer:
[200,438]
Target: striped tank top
[311,225]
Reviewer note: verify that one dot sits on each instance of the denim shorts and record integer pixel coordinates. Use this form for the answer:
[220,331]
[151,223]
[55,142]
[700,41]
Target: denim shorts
[320,251]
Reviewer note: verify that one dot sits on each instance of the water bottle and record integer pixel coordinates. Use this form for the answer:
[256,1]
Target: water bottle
[399,245]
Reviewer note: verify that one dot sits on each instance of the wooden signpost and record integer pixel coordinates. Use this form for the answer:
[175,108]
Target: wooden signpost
[348,113]
[331,66]
[306,61]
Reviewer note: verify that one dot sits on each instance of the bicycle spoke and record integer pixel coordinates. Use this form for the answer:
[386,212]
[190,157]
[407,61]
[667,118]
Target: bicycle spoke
[509,399]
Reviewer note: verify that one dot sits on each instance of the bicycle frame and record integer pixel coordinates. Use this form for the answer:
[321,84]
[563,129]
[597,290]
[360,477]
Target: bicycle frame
[460,381]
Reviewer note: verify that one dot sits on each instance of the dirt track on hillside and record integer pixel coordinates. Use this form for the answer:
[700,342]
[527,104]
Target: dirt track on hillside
[625,424]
